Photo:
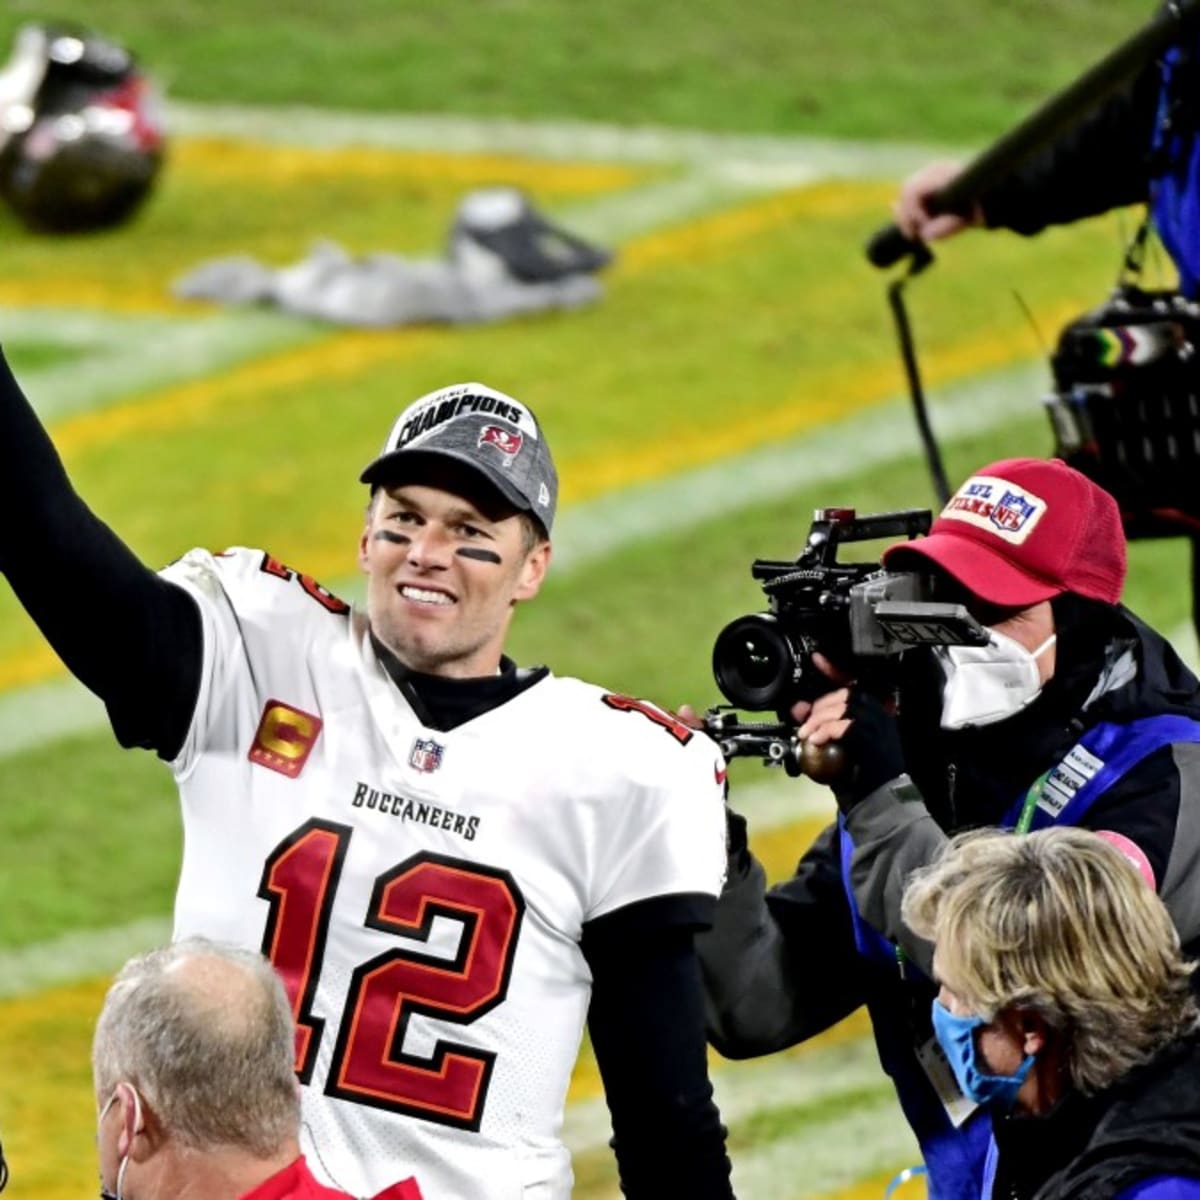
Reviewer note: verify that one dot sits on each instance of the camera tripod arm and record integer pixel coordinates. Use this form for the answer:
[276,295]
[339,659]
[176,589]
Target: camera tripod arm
[776,744]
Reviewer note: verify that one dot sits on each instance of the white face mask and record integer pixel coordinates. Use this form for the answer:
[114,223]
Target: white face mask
[986,684]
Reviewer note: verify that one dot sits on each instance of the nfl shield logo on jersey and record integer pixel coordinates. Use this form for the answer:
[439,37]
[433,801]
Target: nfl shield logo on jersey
[425,755]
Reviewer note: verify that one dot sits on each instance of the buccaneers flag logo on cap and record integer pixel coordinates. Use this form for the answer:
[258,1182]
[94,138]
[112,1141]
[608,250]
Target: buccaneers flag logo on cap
[507,440]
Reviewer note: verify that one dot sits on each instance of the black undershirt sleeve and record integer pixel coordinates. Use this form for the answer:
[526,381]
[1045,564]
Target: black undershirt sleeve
[646,1022]
[128,635]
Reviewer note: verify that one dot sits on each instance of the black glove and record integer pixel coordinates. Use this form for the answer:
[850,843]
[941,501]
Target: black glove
[737,842]
[872,745]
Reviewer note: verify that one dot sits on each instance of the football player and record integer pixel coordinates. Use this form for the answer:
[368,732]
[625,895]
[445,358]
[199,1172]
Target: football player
[452,861]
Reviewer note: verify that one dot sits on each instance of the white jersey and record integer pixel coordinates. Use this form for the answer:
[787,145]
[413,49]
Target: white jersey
[422,892]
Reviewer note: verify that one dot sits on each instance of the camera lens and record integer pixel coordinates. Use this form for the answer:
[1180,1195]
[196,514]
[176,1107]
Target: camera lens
[754,663]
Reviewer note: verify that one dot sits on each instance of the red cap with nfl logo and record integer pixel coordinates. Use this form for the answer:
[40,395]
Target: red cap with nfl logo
[1022,530]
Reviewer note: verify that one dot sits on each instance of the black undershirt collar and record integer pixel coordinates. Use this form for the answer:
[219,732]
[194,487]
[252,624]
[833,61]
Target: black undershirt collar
[443,703]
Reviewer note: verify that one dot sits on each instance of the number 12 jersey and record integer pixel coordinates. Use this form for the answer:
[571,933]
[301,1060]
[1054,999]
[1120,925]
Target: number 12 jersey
[423,892]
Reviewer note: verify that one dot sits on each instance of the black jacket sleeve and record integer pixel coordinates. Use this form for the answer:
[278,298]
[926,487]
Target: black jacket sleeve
[779,965]
[128,635]
[1099,164]
[646,1022]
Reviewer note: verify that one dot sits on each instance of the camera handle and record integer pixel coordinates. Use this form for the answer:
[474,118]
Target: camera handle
[775,743]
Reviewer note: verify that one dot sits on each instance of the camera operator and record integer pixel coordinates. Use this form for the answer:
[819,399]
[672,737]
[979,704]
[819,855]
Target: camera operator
[1075,712]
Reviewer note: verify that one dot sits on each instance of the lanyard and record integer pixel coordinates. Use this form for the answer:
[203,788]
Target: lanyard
[1031,798]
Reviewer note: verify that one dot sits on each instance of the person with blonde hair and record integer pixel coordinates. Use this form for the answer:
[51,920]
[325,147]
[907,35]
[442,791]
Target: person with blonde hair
[1065,1007]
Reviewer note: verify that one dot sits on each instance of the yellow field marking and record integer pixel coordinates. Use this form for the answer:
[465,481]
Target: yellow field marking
[151,299]
[231,158]
[29,665]
[779,849]
[873,1188]
[719,232]
[341,358]
[234,161]
[47,1113]
[828,395]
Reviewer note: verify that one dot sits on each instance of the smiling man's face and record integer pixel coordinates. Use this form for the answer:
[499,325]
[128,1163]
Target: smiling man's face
[444,570]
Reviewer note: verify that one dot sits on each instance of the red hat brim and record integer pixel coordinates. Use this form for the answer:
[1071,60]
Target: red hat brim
[981,570]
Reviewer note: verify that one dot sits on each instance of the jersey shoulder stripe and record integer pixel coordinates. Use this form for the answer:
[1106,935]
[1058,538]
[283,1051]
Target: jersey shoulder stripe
[642,741]
[253,582]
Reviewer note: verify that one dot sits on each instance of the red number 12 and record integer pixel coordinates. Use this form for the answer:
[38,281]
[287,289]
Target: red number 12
[369,1065]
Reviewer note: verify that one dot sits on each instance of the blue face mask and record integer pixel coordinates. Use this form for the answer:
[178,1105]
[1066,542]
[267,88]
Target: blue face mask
[957,1037]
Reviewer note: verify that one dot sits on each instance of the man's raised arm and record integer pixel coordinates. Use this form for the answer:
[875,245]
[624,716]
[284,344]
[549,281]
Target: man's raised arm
[129,636]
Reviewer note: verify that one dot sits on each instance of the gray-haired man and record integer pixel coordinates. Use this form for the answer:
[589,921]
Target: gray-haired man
[192,1063]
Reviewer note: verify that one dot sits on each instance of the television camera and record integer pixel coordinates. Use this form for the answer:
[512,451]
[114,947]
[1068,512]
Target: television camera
[856,615]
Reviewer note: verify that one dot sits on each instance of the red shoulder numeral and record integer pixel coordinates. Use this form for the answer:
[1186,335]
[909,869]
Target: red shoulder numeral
[322,595]
[299,881]
[671,723]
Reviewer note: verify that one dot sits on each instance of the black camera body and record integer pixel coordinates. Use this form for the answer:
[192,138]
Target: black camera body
[855,614]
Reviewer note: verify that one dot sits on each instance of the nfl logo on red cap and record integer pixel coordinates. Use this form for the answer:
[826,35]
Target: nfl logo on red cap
[1012,511]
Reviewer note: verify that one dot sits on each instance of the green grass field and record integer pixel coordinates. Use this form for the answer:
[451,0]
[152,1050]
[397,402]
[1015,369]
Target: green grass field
[740,331]
[899,69]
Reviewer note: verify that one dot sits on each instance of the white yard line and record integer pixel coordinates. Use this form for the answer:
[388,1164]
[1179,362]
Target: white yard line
[121,355]
[788,158]
[75,956]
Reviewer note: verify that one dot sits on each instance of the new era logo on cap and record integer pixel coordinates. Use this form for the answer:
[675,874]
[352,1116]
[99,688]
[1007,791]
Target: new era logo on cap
[481,428]
[995,505]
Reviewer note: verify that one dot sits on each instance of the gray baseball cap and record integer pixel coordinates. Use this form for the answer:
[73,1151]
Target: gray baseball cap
[483,429]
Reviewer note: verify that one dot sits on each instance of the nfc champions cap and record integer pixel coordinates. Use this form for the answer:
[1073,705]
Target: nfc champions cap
[481,428]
